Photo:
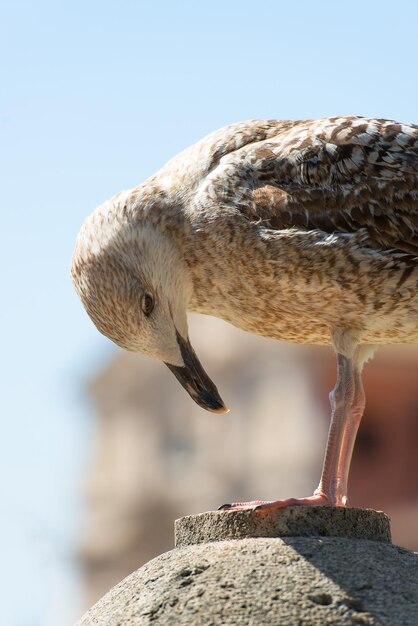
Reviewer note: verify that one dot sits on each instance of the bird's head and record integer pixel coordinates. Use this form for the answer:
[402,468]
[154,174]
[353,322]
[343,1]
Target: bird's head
[135,286]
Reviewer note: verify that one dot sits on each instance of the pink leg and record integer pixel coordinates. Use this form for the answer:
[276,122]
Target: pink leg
[347,403]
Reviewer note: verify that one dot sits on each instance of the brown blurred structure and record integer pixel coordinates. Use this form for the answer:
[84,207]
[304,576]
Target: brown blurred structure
[158,456]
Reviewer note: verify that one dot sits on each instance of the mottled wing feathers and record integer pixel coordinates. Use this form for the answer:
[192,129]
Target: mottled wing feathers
[336,174]
[342,151]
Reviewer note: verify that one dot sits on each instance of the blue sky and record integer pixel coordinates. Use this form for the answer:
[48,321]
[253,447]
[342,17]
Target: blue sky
[94,97]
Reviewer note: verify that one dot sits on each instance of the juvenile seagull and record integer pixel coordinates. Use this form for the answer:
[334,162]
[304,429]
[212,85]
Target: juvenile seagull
[305,231]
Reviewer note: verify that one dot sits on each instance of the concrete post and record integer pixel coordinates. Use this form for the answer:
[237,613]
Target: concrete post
[297,567]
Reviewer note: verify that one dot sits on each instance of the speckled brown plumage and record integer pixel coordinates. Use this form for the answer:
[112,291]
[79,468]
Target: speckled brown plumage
[288,228]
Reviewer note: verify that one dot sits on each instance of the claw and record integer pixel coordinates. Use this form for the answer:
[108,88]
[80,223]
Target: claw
[242,506]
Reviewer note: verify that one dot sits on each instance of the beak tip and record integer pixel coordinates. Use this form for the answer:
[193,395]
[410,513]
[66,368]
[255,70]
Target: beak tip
[209,400]
[222,409]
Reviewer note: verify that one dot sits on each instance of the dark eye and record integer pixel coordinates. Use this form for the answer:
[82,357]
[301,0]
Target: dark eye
[147,304]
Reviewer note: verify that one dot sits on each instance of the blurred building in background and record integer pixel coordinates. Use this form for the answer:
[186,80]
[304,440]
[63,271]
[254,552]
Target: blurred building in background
[158,456]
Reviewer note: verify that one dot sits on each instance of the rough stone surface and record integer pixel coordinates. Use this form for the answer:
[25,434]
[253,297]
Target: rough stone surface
[292,581]
[291,522]
[260,581]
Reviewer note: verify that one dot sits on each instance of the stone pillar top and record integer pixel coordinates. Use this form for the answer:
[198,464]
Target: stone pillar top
[296,521]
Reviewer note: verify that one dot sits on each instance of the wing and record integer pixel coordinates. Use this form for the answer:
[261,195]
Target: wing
[344,174]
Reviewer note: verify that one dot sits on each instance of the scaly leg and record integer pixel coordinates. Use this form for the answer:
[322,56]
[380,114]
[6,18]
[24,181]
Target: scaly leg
[347,404]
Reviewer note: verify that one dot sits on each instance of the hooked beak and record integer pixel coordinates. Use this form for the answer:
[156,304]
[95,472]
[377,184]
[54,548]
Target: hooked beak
[195,380]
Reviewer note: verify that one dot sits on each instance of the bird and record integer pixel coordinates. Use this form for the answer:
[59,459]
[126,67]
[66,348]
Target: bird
[301,230]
